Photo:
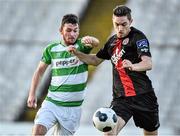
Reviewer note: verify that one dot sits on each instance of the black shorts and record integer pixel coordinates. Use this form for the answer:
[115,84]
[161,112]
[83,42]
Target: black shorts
[143,108]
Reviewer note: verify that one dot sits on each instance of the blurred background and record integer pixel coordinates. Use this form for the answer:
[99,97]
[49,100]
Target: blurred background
[27,26]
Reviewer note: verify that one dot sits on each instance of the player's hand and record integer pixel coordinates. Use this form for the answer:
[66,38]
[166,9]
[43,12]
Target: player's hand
[127,64]
[71,49]
[90,41]
[32,102]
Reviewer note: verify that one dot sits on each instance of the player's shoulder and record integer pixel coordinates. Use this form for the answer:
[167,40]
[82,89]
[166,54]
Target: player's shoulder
[139,38]
[136,33]
[51,45]
[81,46]
[78,41]
[111,40]
[112,37]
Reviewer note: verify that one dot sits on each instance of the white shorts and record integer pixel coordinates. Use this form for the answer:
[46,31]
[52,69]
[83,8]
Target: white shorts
[68,118]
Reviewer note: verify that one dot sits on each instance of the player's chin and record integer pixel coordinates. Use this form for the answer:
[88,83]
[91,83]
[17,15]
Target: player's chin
[120,35]
[71,42]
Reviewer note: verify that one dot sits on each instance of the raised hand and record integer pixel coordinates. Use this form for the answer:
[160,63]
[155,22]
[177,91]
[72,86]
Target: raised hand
[90,41]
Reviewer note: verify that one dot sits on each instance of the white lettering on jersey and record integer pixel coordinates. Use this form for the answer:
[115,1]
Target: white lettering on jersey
[67,62]
[117,56]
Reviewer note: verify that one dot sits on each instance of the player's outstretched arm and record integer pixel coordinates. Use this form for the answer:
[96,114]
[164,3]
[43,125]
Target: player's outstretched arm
[32,101]
[90,59]
[144,65]
[90,41]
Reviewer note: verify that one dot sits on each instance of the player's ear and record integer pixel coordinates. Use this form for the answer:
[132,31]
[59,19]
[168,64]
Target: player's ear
[60,29]
[131,21]
[112,17]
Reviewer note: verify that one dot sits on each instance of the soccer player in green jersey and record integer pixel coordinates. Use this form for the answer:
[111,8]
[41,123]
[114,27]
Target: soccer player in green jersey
[62,104]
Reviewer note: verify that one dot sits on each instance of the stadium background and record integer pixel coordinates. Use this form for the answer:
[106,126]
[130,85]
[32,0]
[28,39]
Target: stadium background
[27,26]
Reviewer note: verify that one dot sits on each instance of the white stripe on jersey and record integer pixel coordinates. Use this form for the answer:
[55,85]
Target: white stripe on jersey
[61,47]
[67,96]
[69,79]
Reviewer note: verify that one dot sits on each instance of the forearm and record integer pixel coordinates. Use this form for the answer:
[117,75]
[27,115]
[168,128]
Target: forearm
[88,59]
[37,77]
[95,42]
[90,41]
[142,66]
[32,102]
[34,83]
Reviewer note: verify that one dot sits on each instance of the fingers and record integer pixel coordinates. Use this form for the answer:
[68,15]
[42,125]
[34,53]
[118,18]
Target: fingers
[71,49]
[87,40]
[32,104]
[127,64]
[35,105]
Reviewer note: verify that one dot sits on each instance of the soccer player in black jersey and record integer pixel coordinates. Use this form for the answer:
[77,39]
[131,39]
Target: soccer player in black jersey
[133,94]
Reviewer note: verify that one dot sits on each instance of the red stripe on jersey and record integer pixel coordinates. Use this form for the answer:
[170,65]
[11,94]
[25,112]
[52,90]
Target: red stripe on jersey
[125,79]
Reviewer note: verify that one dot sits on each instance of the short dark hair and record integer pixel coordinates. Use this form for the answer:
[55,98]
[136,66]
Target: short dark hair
[122,10]
[70,18]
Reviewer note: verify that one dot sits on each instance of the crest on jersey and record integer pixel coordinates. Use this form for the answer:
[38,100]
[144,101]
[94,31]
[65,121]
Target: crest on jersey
[125,41]
[142,43]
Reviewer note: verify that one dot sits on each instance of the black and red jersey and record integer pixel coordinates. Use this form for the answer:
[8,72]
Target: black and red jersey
[132,47]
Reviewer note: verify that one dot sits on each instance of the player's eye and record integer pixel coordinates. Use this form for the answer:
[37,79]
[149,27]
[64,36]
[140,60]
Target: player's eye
[75,31]
[124,24]
[117,24]
[68,30]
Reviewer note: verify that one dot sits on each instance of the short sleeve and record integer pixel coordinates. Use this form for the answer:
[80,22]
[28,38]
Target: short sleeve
[83,48]
[142,45]
[46,57]
[103,53]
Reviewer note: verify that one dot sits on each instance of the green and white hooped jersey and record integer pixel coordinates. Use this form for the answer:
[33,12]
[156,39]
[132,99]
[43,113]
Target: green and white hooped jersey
[69,74]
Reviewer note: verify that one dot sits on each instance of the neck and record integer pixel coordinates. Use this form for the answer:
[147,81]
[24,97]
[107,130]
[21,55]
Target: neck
[128,32]
[64,43]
